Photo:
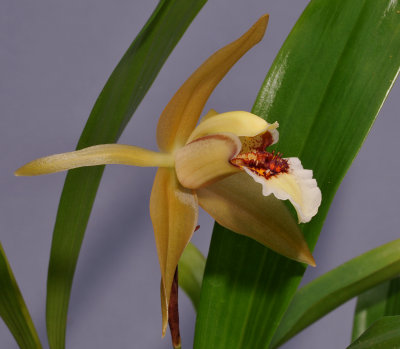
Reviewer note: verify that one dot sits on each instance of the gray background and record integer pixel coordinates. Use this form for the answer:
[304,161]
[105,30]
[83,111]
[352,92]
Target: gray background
[55,58]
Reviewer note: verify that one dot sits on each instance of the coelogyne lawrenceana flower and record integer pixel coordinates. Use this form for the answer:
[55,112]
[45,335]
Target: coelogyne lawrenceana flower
[218,165]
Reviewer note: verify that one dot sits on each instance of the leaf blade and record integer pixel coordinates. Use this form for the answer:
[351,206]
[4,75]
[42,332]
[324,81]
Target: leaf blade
[337,286]
[191,269]
[113,109]
[380,301]
[384,333]
[13,309]
[331,77]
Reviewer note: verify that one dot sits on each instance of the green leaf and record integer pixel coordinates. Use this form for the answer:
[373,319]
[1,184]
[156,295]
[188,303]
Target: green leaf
[191,269]
[13,309]
[325,88]
[382,300]
[337,286]
[384,333]
[393,298]
[113,109]
[370,307]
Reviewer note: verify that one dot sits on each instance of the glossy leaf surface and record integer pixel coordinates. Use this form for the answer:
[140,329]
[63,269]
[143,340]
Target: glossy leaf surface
[325,89]
[113,109]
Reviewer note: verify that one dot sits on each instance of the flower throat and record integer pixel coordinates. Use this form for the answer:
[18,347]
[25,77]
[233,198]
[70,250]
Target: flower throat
[262,163]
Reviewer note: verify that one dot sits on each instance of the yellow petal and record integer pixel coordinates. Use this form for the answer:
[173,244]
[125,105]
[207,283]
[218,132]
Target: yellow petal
[210,114]
[237,203]
[206,160]
[298,186]
[96,155]
[240,123]
[181,114]
[174,212]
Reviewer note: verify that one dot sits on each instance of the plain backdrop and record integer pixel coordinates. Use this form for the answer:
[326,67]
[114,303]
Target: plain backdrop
[55,58]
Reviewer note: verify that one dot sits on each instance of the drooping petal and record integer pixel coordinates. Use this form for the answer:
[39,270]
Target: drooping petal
[96,155]
[174,212]
[181,114]
[237,203]
[206,160]
[240,123]
[297,185]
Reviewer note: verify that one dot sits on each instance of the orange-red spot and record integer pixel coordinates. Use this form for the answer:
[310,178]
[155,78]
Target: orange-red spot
[267,140]
[262,163]
[256,143]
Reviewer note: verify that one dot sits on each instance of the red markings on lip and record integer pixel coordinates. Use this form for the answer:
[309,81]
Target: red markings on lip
[256,143]
[262,163]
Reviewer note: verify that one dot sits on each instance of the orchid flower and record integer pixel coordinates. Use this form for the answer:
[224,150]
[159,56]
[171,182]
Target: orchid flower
[218,165]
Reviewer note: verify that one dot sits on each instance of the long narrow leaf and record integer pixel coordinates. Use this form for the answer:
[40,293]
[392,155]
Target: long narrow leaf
[382,300]
[370,307]
[392,306]
[114,107]
[191,269]
[385,333]
[337,286]
[325,88]
[13,309]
